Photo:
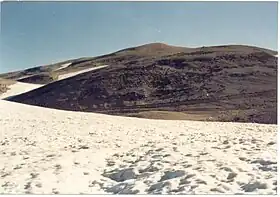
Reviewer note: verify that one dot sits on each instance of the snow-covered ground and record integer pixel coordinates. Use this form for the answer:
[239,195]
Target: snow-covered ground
[44,151]
[64,76]
[64,66]
[19,88]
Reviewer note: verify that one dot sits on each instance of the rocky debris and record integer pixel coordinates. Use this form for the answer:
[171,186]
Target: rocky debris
[158,186]
[4,142]
[200,181]
[243,158]
[51,155]
[184,181]
[58,166]
[227,147]
[167,155]
[34,175]
[94,183]
[226,169]
[271,143]
[250,187]
[231,175]
[54,191]
[190,176]
[27,186]
[157,156]
[4,174]
[25,157]
[17,167]
[39,185]
[110,163]
[121,175]
[180,189]
[226,187]
[150,168]
[264,162]
[159,149]
[226,142]
[217,190]
[268,168]
[83,147]
[122,188]
[172,174]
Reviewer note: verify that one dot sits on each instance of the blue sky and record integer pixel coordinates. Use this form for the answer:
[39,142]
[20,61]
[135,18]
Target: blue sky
[40,33]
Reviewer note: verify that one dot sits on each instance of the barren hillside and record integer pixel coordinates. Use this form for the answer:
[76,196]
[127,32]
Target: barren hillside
[225,83]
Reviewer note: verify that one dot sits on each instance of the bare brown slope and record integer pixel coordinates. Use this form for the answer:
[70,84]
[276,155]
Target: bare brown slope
[4,85]
[217,79]
[154,49]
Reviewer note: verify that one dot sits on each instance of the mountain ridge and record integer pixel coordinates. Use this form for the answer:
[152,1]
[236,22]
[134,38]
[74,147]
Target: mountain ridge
[214,80]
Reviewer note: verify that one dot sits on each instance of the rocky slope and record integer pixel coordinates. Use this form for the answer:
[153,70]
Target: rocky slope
[161,77]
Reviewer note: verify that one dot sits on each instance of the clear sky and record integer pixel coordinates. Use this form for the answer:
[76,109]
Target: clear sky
[40,33]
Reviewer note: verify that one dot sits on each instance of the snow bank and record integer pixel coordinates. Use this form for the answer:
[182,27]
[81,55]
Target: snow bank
[46,151]
[19,88]
[71,74]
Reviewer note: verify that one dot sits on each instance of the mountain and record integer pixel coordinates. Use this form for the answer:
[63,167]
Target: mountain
[223,83]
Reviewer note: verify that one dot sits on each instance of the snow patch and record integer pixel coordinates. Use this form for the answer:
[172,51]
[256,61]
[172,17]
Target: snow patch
[72,74]
[19,88]
[63,66]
